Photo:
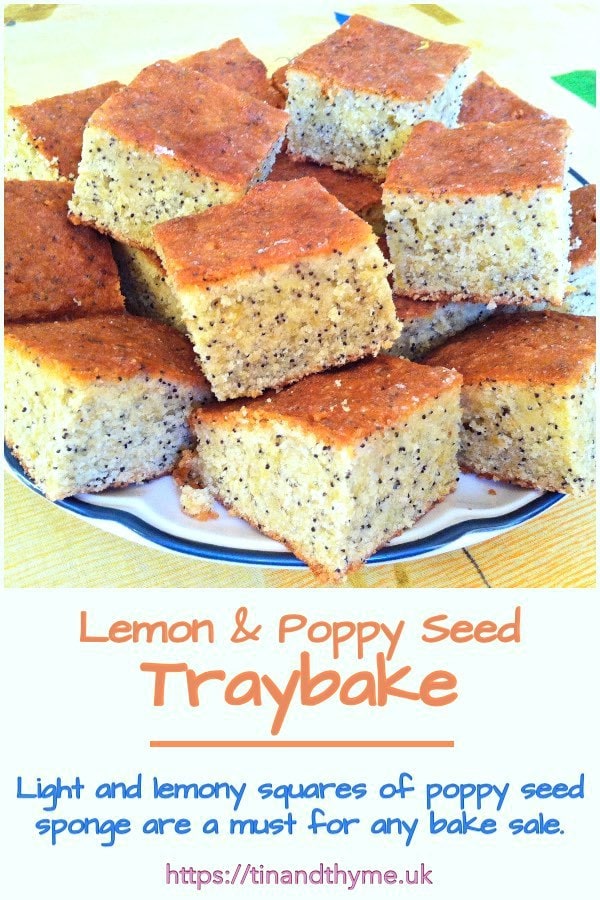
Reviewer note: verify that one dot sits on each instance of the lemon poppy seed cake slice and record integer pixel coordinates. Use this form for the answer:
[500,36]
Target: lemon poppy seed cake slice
[98,403]
[357,192]
[144,283]
[233,64]
[171,143]
[43,139]
[338,464]
[53,270]
[285,282]
[427,325]
[481,213]
[527,399]
[580,295]
[581,292]
[144,279]
[484,100]
[354,98]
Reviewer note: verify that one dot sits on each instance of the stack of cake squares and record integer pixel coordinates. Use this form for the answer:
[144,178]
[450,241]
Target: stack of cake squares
[276,354]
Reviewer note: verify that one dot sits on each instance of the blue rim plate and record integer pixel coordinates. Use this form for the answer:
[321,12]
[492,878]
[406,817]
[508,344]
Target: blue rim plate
[483,526]
[476,523]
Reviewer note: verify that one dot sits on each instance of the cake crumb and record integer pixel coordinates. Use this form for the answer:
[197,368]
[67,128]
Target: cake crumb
[197,503]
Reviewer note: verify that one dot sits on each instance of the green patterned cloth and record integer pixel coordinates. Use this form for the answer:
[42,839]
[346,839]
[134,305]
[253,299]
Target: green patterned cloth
[582,83]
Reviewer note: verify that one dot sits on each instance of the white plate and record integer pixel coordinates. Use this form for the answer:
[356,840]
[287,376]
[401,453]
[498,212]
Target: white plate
[150,514]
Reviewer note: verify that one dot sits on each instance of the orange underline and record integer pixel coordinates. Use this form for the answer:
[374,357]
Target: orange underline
[302,744]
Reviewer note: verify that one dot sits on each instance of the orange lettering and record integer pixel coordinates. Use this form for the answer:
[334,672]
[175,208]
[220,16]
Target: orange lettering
[84,637]
[160,672]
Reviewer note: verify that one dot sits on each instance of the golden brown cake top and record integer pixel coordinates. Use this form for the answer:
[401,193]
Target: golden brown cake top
[366,55]
[109,348]
[408,309]
[55,125]
[149,256]
[583,229]
[276,98]
[276,223]
[522,348]
[193,122]
[485,100]
[53,269]
[278,80]
[343,406]
[481,158]
[233,64]
[356,192]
